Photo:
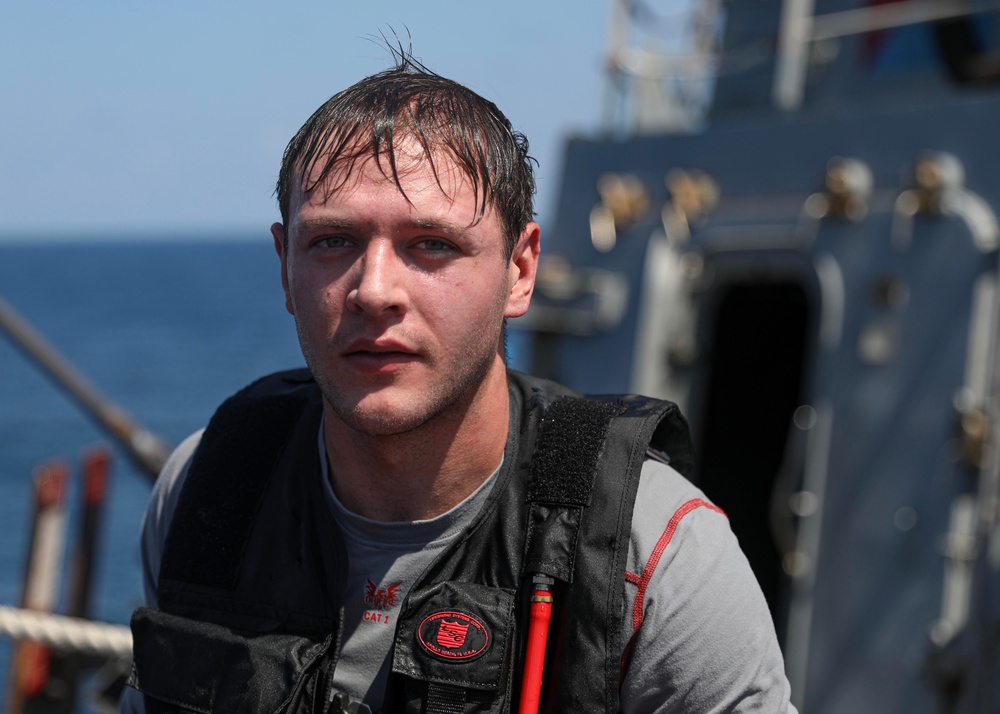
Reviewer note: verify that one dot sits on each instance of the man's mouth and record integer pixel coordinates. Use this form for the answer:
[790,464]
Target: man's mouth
[379,356]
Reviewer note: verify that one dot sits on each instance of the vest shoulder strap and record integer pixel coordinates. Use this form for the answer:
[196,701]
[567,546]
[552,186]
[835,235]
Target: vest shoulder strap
[228,477]
[584,479]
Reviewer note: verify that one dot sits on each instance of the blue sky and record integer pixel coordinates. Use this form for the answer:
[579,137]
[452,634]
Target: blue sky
[131,117]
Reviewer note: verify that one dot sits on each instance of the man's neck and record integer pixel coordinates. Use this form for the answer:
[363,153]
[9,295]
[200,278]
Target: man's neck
[425,472]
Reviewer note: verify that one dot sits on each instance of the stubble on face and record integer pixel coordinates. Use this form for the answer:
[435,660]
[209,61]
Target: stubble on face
[445,400]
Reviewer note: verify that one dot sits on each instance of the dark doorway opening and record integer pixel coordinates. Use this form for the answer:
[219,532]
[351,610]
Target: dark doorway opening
[758,336]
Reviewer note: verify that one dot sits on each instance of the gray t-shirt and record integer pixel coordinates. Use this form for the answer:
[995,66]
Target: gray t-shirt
[701,635]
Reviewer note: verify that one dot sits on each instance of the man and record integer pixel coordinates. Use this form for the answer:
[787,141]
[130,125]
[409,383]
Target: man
[376,533]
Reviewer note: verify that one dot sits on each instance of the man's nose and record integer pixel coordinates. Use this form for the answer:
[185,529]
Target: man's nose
[379,285]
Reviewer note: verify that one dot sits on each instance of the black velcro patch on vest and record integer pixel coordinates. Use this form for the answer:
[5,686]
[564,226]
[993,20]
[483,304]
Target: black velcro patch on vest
[221,496]
[569,444]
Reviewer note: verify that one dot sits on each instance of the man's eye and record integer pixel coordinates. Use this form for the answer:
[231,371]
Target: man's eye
[433,244]
[334,242]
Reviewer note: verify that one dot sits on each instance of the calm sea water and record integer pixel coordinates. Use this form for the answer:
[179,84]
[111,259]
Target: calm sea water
[167,330]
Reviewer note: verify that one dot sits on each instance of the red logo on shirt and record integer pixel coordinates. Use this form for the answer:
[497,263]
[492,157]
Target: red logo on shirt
[453,635]
[381,598]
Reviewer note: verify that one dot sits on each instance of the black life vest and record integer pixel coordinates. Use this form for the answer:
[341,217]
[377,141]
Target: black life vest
[253,573]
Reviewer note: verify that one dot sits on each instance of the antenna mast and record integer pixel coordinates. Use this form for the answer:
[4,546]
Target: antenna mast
[659,79]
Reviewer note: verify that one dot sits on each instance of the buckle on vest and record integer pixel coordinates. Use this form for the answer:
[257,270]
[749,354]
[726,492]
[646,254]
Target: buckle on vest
[341,704]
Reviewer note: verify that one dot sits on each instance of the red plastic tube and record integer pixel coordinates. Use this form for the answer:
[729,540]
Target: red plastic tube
[534,657]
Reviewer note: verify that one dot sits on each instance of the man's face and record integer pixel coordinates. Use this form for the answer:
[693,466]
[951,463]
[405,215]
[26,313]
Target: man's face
[399,304]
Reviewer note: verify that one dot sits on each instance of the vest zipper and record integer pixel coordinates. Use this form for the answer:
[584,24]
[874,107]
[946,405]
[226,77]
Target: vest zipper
[331,664]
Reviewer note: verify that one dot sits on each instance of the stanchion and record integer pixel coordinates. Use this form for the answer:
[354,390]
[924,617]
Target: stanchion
[30,660]
[66,665]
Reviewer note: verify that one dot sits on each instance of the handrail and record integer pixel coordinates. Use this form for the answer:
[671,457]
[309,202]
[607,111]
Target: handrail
[147,450]
[65,633]
[800,28]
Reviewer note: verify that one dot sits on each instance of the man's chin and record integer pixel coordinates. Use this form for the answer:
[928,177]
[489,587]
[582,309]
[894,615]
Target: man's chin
[380,424]
[402,407]
[382,418]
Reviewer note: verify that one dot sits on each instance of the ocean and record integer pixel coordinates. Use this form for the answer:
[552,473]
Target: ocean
[166,330]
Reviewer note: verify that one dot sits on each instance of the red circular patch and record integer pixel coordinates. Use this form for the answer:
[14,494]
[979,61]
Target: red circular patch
[453,635]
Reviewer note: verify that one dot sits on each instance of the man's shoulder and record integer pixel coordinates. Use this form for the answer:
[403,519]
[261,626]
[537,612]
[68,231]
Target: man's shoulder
[699,629]
[672,515]
[663,486]
[171,479]
[160,512]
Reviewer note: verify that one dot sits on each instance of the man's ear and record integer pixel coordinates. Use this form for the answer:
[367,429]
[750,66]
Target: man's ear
[522,270]
[280,247]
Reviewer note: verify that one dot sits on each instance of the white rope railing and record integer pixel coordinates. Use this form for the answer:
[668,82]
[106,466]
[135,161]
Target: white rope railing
[65,633]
